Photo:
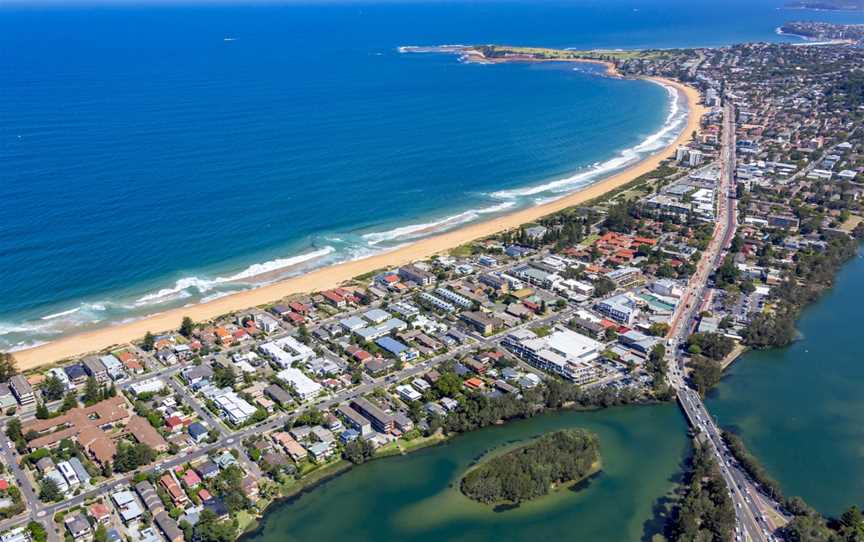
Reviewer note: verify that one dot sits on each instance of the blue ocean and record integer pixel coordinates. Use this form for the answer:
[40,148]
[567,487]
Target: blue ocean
[153,156]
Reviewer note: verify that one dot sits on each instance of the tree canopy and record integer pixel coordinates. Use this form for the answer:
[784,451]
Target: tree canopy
[530,471]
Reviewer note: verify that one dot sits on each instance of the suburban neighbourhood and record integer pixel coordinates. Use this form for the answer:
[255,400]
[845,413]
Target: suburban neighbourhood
[191,434]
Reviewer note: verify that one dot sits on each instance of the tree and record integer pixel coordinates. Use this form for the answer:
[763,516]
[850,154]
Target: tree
[210,529]
[13,429]
[727,274]
[8,367]
[658,329]
[604,286]
[100,534]
[706,373]
[37,531]
[713,345]
[186,327]
[53,388]
[42,412]
[70,401]
[359,451]
[449,384]
[49,491]
[131,456]
[224,377]
[312,416]
[149,342]
[92,391]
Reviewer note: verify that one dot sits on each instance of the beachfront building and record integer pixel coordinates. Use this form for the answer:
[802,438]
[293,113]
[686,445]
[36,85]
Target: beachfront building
[412,273]
[22,390]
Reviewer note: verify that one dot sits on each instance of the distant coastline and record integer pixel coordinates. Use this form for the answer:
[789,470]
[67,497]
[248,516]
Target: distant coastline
[327,277]
[474,55]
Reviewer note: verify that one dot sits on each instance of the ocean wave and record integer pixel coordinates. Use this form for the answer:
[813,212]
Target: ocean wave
[417,230]
[197,289]
[28,333]
[25,345]
[628,156]
[181,288]
[90,307]
[61,314]
[214,297]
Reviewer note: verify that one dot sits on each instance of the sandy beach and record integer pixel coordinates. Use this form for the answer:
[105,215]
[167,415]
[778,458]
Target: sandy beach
[76,345]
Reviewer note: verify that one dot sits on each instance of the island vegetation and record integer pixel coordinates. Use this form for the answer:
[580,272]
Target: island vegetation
[532,470]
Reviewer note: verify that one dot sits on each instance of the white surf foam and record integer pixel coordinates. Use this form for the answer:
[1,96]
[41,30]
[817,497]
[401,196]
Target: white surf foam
[181,288]
[418,230]
[61,314]
[628,156]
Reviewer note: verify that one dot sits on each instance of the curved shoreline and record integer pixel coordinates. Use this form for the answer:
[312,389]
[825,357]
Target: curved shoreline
[329,277]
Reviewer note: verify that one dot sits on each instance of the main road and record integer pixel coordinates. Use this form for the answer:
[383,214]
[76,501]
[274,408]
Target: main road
[751,507]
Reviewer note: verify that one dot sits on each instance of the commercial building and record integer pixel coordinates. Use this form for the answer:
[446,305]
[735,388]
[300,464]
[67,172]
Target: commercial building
[625,277]
[563,352]
[622,308]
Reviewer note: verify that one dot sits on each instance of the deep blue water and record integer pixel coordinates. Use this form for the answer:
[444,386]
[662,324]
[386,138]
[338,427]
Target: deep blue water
[145,161]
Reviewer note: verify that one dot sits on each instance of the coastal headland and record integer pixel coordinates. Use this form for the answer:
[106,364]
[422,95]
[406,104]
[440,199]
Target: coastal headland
[328,277]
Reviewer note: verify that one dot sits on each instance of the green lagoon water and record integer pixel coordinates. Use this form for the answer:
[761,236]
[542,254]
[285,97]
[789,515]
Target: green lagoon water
[410,498]
[801,409]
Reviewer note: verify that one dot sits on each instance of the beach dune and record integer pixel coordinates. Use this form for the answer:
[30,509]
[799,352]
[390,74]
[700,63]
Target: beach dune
[91,341]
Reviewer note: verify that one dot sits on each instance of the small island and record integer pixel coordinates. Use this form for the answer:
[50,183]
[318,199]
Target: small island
[533,470]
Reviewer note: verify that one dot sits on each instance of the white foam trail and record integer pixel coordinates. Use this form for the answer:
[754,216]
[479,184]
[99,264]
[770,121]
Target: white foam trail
[181,288]
[214,297]
[61,314]
[624,158]
[417,230]
[177,291]
[281,263]
[24,345]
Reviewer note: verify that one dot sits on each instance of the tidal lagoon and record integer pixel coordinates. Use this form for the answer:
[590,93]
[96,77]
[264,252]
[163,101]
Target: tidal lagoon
[799,409]
[416,497]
